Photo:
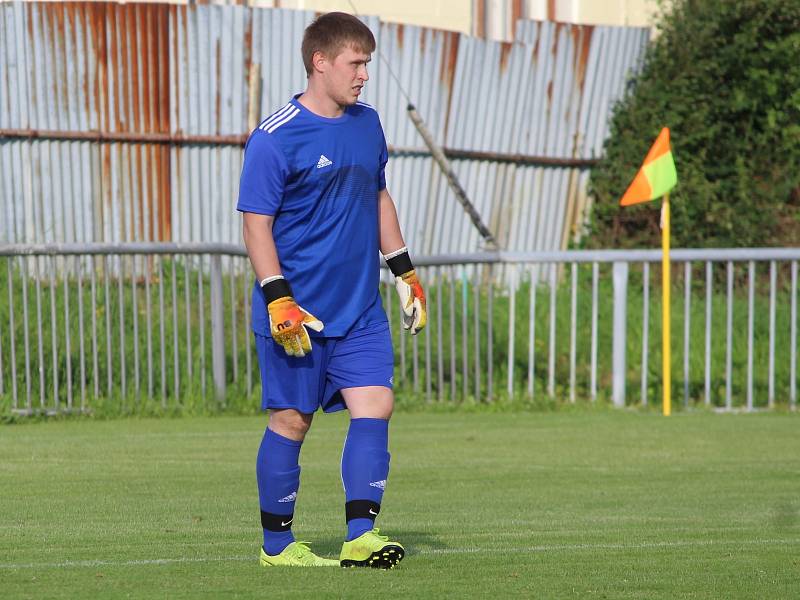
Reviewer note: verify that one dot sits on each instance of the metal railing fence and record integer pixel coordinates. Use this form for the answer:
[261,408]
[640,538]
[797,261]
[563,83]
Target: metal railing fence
[123,323]
[168,324]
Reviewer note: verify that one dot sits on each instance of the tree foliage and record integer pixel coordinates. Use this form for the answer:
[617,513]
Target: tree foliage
[724,76]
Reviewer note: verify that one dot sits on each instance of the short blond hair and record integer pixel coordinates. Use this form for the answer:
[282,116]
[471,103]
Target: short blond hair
[333,32]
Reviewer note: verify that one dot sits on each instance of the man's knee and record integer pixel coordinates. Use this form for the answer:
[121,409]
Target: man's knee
[383,408]
[379,409]
[374,402]
[290,423]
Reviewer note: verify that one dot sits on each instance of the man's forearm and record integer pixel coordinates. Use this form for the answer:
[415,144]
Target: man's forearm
[257,233]
[391,238]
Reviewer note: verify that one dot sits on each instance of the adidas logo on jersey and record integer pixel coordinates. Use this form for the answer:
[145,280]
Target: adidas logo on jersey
[323,161]
[379,484]
[290,498]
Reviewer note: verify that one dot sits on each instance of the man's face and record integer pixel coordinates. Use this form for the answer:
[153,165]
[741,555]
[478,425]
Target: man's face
[346,75]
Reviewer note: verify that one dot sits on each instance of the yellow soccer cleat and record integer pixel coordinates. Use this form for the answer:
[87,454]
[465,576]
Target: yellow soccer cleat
[296,554]
[371,550]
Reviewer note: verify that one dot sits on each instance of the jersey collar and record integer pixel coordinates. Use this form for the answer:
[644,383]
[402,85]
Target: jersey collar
[312,115]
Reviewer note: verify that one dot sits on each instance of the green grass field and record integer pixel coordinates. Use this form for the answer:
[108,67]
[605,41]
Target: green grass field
[590,503]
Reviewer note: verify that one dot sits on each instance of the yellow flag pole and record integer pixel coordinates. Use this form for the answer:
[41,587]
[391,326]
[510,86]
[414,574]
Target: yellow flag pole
[665,320]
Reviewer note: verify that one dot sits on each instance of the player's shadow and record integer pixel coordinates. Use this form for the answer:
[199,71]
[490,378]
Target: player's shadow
[415,542]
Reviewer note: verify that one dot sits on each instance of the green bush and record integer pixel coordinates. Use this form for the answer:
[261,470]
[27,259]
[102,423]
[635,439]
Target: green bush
[725,77]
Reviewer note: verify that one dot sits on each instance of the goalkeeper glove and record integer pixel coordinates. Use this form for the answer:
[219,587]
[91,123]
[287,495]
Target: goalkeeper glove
[412,296]
[288,322]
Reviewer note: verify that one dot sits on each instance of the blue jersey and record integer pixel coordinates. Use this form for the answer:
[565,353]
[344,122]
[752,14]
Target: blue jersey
[320,178]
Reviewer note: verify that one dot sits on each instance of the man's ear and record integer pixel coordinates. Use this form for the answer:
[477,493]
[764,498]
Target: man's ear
[319,61]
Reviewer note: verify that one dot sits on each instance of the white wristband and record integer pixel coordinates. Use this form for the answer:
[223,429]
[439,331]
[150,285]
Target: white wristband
[266,280]
[397,252]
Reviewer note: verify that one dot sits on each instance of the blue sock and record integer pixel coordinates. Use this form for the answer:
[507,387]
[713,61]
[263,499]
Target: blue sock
[365,468]
[278,475]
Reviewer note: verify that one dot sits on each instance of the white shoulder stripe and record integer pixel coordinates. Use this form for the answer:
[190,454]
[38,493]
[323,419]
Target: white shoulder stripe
[365,105]
[282,112]
[275,116]
[284,120]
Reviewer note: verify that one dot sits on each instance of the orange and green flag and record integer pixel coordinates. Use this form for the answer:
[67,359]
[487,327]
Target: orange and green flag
[657,175]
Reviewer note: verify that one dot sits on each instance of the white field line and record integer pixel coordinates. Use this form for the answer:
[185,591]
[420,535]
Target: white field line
[436,551]
[606,546]
[125,563]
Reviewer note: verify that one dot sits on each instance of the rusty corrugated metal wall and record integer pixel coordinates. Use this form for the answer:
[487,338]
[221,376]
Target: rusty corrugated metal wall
[154,102]
[85,67]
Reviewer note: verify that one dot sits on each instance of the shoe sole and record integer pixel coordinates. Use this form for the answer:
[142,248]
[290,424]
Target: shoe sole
[385,558]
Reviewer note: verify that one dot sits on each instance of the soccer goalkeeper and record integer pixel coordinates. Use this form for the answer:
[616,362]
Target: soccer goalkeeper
[316,213]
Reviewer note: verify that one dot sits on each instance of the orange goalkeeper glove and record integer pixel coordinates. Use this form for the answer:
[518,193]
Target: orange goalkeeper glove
[412,296]
[288,322]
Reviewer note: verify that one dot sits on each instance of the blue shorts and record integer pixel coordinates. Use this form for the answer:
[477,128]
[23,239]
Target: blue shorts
[363,357]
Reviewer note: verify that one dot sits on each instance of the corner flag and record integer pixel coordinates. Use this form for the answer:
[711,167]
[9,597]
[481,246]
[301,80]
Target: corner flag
[657,175]
[656,178]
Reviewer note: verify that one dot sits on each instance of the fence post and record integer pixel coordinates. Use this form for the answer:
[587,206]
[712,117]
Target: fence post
[217,329]
[620,275]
